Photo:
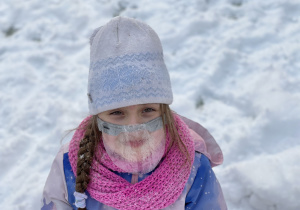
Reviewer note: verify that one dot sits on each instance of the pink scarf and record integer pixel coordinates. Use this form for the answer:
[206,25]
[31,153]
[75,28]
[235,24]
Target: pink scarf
[157,191]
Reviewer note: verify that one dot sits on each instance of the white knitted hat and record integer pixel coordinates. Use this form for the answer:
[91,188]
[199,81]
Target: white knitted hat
[126,67]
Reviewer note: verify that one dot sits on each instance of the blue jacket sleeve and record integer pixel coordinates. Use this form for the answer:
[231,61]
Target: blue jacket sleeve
[205,192]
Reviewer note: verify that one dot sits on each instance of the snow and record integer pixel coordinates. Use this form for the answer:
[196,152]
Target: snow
[234,66]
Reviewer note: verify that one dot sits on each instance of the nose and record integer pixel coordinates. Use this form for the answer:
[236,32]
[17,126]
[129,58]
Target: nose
[133,115]
[134,119]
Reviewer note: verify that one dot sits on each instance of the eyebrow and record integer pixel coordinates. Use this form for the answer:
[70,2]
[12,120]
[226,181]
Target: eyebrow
[143,106]
[113,110]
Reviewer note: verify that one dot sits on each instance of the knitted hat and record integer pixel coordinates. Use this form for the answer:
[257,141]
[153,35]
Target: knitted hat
[126,67]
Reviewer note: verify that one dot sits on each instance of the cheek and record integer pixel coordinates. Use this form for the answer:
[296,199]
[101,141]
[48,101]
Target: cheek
[153,114]
[159,135]
[109,141]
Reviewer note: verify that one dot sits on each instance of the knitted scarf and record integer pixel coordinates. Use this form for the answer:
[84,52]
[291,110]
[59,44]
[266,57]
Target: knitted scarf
[157,191]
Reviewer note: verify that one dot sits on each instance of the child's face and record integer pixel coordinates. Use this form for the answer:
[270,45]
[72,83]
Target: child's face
[137,151]
[131,115]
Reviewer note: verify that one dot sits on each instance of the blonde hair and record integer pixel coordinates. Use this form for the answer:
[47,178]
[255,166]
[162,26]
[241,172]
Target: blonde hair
[92,137]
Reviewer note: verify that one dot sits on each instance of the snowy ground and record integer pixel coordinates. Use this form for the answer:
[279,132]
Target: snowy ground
[234,65]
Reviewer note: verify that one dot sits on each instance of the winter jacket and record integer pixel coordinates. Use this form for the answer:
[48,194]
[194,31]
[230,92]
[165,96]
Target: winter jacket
[202,190]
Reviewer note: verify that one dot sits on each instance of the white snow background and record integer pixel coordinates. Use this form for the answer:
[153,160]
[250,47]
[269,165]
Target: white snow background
[234,66]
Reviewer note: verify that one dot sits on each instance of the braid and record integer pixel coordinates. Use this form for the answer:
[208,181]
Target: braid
[85,155]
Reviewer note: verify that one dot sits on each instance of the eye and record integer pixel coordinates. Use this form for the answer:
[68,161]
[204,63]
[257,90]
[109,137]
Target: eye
[116,113]
[149,110]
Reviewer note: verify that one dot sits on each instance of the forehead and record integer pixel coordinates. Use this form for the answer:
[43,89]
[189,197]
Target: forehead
[135,107]
[138,106]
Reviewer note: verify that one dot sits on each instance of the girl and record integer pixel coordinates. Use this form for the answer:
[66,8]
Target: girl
[133,152]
